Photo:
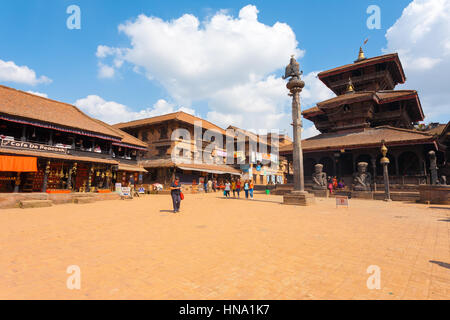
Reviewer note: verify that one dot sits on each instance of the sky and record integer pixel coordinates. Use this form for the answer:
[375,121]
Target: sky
[219,60]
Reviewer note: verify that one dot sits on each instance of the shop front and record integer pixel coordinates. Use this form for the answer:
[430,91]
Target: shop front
[28,171]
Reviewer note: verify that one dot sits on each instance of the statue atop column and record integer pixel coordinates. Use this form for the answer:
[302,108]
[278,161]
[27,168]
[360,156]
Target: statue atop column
[293,70]
[319,178]
[362,179]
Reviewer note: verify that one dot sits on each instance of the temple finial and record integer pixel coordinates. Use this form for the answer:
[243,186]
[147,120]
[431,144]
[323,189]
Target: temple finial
[350,87]
[361,55]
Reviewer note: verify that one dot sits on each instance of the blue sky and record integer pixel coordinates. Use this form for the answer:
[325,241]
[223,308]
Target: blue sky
[33,33]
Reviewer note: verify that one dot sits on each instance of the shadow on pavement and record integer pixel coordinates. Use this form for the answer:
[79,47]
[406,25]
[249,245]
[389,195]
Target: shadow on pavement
[252,200]
[441,264]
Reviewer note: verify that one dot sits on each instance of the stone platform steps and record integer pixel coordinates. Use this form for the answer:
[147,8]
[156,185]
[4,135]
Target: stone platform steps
[25,204]
[81,200]
[36,200]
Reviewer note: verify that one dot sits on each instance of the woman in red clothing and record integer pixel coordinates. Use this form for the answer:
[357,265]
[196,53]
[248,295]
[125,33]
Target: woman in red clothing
[238,187]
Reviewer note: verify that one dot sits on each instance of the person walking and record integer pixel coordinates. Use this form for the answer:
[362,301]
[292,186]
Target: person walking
[238,187]
[210,184]
[205,185]
[246,187]
[227,189]
[335,183]
[233,187]
[215,185]
[330,185]
[131,183]
[175,192]
[250,189]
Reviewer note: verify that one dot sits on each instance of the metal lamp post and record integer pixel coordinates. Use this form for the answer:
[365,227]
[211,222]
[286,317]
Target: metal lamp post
[385,162]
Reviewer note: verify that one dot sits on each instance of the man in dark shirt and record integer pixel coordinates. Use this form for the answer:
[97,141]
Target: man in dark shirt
[175,190]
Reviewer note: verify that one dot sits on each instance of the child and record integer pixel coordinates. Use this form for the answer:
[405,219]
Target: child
[227,189]
[246,187]
[251,189]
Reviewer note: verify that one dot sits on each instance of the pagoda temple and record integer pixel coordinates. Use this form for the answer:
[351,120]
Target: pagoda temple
[367,110]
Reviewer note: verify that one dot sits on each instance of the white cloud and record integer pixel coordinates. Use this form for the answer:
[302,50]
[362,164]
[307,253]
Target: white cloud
[421,36]
[11,72]
[310,132]
[263,104]
[112,112]
[255,104]
[314,91]
[226,61]
[40,94]
[105,71]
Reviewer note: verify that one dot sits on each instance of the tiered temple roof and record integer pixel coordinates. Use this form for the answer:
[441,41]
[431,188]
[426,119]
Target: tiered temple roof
[366,109]
[366,97]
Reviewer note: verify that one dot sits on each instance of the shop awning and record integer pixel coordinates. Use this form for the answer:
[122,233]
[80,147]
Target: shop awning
[130,168]
[50,156]
[18,164]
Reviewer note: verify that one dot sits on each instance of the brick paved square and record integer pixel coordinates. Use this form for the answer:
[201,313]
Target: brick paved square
[226,249]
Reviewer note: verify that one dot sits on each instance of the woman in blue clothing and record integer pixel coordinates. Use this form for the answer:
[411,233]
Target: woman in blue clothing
[246,188]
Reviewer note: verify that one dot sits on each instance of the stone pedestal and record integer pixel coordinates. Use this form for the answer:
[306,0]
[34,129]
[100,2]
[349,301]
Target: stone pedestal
[299,198]
[324,193]
[362,195]
[434,194]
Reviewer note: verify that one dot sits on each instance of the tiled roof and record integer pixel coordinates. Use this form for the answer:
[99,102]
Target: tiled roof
[352,66]
[249,134]
[180,116]
[29,106]
[130,168]
[380,97]
[311,111]
[346,99]
[370,137]
[168,163]
[129,139]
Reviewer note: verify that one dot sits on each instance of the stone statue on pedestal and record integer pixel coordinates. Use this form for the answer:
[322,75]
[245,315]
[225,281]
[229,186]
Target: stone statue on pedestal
[362,179]
[319,178]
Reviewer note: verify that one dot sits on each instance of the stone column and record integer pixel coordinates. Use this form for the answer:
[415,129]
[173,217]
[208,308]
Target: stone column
[295,85]
[374,167]
[385,162]
[433,168]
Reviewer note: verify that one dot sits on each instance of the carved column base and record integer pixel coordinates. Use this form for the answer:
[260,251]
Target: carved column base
[322,193]
[362,195]
[299,198]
